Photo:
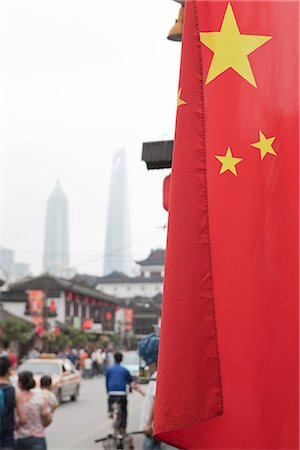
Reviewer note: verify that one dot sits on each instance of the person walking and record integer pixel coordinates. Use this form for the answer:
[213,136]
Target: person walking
[6,351]
[31,435]
[117,380]
[11,407]
[87,367]
[148,350]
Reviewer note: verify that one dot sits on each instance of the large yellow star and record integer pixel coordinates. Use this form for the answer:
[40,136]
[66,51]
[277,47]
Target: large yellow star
[231,48]
[265,145]
[228,162]
[179,99]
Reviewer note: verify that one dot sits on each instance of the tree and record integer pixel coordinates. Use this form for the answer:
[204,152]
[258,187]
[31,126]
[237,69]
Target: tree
[16,331]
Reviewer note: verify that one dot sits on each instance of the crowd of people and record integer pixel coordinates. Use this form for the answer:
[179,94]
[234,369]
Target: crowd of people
[91,362]
[26,410]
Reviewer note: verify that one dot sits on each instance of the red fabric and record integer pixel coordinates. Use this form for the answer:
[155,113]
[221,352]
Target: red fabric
[253,236]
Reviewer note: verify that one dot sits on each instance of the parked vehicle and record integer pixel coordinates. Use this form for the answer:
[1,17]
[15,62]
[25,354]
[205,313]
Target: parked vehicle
[135,365]
[65,377]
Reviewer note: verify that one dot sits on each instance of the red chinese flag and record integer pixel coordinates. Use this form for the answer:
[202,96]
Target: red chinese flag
[228,360]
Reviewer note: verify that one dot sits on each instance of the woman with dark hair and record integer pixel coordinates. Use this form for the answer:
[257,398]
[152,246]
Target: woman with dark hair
[31,435]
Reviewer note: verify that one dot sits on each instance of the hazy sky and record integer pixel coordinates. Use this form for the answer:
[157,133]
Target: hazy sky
[79,80]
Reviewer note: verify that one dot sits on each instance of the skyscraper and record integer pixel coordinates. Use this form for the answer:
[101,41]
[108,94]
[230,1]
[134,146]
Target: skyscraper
[56,245]
[117,245]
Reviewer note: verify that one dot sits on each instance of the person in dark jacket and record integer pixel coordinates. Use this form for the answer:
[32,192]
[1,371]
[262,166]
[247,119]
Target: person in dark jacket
[117,380]
[10,401]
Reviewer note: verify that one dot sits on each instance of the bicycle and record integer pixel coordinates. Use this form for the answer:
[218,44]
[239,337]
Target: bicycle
[118,439]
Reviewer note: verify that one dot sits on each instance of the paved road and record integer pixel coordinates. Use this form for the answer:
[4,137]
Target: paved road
[77,424]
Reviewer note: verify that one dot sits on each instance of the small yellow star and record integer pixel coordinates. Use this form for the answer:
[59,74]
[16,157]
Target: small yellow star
[265,145]
[231,48]
[179,99]
[228,162]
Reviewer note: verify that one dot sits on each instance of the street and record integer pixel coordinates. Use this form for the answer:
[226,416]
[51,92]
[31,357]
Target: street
[77,424]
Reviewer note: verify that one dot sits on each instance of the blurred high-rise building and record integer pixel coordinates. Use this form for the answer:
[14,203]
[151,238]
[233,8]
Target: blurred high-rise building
[117,244]
[56,244]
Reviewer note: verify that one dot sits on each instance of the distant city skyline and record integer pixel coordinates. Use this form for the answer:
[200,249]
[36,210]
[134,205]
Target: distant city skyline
[79,82]
[11,269]
[56,242]
[117,238]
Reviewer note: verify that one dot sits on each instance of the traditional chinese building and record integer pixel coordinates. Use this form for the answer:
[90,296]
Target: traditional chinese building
[53,300]
[148,284]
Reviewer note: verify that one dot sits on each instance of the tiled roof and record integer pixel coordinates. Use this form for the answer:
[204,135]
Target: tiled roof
[48,282]
[156,257]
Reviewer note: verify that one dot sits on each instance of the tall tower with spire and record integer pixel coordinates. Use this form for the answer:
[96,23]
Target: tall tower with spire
[56,244]
[117,244]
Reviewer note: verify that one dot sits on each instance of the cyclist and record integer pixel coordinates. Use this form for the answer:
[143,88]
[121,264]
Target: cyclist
[117,380]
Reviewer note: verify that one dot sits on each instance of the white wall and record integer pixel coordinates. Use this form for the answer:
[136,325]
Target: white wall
[152,269]
[130,290]
[16,308]
[60,307]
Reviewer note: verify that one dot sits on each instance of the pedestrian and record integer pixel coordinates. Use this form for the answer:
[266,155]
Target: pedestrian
[88,367]
[6,351]
[95,367]
[83,354]
[100,360]
[148,350]
[32,435]
[117,380]
[11,407]
[46,386]
[33,353]
[109,360]
[71,355]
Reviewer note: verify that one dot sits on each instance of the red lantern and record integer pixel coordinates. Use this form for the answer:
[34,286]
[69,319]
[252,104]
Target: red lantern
[39,329]
[93,302]
[87,324]
[77,298]
[108,316]
[69,296]
[52,306]
[86,300]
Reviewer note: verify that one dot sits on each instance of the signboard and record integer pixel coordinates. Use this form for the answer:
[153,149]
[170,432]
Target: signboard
[128,319]
[97,328]
[77,323]
[36,301]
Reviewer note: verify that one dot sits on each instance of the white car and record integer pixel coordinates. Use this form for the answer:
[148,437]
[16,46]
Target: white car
[65,378]
[131,362]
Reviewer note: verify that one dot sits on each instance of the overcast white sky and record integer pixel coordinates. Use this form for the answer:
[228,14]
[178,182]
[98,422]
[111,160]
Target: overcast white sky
[79,80]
